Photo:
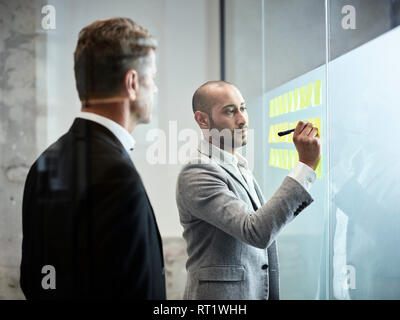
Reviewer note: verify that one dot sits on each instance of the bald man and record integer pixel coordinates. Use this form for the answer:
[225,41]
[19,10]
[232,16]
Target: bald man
[229,228]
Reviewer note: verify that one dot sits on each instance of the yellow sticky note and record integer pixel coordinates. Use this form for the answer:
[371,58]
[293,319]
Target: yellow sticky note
[290,136]
[279,158]
[278,129]
[317,93]
[276,137]
[284,128]
[285,103]
[296,99]
[276,159]
[291,159]
[305,96]
[280,102]
[271,108]
[286,159]
[271,134]
[302,96]
[271,157]
[318,170]
[291,102]
[318,125]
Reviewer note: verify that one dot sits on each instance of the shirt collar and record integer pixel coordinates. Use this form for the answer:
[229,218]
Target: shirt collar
[241,160]
[221,155]
[126,139]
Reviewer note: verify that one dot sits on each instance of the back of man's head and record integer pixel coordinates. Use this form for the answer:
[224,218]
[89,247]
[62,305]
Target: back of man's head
[105,51]
[203,99]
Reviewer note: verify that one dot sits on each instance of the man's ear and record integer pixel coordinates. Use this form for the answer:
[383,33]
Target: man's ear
[202,119]
[132,84]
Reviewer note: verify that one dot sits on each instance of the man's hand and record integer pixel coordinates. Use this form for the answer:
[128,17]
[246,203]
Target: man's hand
[307,142]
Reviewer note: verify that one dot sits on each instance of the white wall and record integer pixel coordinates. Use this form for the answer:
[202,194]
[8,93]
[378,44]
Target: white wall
[188,55]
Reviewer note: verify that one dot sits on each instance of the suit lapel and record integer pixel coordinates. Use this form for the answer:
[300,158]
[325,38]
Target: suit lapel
[259,192]
[244,184]
[232,170]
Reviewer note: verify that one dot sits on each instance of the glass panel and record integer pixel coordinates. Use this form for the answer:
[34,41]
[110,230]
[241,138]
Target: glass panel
[302,242]
[295,89]
[364,172]
[276,59]
[344,245]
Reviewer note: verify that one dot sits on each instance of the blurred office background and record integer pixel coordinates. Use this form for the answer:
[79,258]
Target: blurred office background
[264,47]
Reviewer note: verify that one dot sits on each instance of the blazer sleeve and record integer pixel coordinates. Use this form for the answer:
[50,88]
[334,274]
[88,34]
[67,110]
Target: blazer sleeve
[202,191]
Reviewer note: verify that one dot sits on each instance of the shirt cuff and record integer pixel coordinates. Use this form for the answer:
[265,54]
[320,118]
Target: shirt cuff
[303,174]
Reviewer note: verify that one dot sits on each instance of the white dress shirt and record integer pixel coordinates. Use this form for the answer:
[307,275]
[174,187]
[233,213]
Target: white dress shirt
[302,173]
[119,131]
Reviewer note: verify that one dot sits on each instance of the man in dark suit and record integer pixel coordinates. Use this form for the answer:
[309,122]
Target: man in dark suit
[89,231]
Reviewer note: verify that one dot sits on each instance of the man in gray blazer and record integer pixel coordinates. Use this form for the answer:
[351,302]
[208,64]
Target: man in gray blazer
[229,228]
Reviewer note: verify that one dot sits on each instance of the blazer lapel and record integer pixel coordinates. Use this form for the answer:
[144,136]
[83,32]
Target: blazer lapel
[243,183]
[259,192]
[233,172]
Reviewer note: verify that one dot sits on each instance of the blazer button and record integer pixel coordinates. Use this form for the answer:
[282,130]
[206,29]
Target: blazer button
[265,266]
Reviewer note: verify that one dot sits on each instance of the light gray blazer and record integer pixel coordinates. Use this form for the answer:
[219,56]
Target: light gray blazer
[230,241]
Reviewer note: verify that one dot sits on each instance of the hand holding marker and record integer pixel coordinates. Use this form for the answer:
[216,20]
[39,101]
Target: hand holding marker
[306,140]
[284,133]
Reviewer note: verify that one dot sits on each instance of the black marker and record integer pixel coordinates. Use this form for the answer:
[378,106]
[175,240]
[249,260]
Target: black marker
[284,133]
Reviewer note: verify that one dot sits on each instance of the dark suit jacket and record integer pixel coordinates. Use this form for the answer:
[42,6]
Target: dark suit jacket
[86,212]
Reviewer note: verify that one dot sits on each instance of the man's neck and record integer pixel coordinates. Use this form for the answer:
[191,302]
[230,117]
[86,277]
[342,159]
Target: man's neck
[118,112]
[223,147]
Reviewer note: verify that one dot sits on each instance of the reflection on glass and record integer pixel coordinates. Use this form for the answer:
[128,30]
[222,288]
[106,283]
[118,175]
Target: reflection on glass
[345,245]
[364,171]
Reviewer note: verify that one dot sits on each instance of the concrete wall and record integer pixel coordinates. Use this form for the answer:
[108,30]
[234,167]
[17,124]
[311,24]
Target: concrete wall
[20,47]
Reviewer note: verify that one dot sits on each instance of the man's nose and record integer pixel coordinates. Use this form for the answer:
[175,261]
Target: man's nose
[241,119]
